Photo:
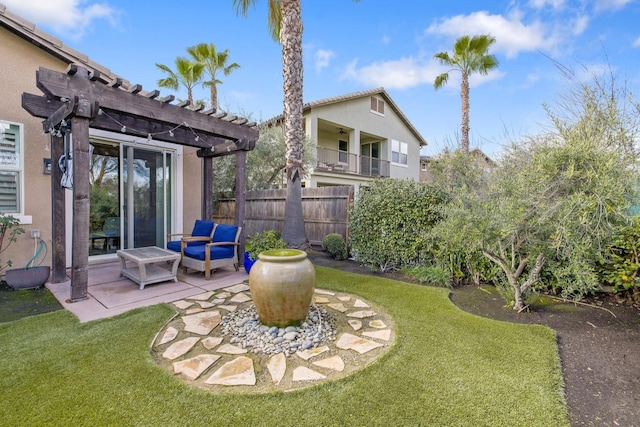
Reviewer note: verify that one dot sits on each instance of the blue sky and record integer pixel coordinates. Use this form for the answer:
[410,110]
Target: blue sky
[350,47]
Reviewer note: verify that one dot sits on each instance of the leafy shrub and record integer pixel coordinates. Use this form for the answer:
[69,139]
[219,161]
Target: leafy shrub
[390,223]
[335,245]
[620,266]
[430,275]
[9,229]
[260,242]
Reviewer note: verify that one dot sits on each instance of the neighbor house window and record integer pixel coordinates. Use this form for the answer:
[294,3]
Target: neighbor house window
[10,167]
[399,152]
[377,105]
[343,147]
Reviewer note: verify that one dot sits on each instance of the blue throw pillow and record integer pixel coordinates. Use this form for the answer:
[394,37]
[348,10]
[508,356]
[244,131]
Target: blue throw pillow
[225,233]
[202,228]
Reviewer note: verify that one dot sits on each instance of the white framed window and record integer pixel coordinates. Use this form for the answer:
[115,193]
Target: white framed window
[399,152]
[377,106]
[11,167]
[424,166]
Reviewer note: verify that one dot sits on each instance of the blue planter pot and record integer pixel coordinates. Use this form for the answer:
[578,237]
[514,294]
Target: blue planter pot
[248,262]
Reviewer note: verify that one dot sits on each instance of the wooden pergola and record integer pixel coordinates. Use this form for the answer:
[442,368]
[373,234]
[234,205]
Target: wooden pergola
[77,100]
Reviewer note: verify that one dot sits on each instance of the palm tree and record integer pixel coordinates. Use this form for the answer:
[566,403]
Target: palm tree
[188,74]
[214,62]
[285,26]
[469,56]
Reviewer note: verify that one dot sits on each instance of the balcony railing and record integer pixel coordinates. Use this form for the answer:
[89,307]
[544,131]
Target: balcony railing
[342,162]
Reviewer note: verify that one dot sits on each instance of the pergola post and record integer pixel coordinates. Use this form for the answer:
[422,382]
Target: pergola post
[207,188]
[58,213]
[241,187]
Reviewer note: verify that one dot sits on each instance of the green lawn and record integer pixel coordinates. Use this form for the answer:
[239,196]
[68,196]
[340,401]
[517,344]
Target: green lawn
[448,368]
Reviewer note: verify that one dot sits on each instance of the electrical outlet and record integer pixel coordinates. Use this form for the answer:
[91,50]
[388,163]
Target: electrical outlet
[35,234]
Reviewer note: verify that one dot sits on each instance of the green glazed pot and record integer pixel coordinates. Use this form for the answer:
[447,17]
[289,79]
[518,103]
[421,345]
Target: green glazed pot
[282,283]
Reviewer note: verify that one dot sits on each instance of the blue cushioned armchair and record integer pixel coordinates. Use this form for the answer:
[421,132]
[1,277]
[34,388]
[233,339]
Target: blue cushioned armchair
[200,235]
[219,251]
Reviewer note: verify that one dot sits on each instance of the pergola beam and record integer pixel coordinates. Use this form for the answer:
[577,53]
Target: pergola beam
[55,84]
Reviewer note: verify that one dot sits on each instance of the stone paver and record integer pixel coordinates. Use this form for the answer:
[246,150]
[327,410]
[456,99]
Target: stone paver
[362,314]
[338,306]
[353,342]
[211,342]
[277,366]
[308,354]
[202,297]
[383,334]
[202,323]
[302,373]
[336,363]
[169,335]
[183,305]
[224,364]
[236,372]
[179,348]
[240,298]
[355,324]
[231,349]
[240,287]
[193,367]
[378,324]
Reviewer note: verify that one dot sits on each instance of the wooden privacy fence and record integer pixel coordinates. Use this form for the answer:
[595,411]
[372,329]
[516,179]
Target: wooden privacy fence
[325,210]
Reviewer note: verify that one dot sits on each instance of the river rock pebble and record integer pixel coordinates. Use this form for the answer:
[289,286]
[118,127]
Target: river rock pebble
[246,331]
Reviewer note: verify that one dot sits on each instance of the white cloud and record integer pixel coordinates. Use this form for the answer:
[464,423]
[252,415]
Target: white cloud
[69,17]
[580,25]
[322,59]
[406,73]
[512,35]
[385,40]
[539,4]
[636,42]
[611,5]
[587,72]
[397,74]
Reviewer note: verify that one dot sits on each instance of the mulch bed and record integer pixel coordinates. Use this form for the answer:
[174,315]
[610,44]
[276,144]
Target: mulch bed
[599,344]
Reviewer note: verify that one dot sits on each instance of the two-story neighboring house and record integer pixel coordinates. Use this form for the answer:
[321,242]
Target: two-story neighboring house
[358,137]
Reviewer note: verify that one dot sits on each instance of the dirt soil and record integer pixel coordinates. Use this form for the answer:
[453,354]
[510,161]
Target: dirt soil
[599,344]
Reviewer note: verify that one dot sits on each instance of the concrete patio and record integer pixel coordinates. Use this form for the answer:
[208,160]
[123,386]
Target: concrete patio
[110,294]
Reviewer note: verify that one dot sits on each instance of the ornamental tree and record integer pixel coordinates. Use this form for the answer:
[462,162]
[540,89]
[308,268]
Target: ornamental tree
[554,201]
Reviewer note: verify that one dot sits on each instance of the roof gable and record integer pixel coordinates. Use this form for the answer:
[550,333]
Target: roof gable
[367,93]
[52,45]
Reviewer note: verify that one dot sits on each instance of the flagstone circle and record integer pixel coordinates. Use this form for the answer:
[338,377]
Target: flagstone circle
[207,347]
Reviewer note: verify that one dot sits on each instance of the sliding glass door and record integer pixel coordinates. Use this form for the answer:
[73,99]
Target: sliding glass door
[130,197]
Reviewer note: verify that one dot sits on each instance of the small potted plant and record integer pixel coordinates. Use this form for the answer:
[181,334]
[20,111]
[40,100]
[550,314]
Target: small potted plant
[260,242]
[30,277]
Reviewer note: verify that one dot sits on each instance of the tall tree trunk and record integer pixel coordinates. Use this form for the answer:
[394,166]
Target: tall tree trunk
[214,97]
[464,94]
[291,38]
